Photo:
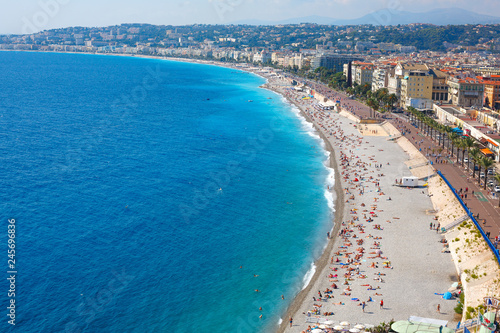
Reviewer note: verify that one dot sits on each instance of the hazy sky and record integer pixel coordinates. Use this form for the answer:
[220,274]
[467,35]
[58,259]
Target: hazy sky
[27,15]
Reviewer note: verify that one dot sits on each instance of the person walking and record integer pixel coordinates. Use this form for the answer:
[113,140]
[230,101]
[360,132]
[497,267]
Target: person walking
[363,306]
[439,308]
[381,303]
[291,321]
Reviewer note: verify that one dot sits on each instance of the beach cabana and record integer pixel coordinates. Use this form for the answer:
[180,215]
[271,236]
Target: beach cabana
[447,295]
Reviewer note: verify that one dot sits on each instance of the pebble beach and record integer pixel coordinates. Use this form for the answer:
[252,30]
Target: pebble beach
[384,259]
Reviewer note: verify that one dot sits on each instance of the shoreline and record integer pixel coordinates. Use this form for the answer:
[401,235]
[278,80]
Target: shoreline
[322,261]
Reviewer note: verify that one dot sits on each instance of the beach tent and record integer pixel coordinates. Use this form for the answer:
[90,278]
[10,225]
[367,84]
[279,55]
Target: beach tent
[447,295]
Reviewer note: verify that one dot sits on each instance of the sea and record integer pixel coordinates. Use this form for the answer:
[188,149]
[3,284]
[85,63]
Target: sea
[149,195]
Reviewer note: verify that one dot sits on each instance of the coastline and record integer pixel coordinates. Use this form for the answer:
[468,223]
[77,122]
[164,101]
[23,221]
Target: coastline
[340,206]
[362,146]
[322,261]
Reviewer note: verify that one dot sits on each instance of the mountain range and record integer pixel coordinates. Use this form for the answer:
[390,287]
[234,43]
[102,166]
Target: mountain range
[442,16]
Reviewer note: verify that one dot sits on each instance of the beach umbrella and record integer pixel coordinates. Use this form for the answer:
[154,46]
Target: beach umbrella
[338,328]
[447,295]
[328,322]
[354,330]
[359,326]
[344,323]
[322,326]
[317,330]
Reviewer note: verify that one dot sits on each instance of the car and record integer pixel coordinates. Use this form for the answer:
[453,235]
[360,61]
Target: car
[481,175]
[491,172]
[491,183]
[497,188]
[466,160]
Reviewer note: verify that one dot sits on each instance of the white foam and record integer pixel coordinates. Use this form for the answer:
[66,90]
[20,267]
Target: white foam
[309,275]
[330,183]
[310,130]
[280,321]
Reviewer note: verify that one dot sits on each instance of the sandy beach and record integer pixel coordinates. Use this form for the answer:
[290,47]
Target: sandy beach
[383,251]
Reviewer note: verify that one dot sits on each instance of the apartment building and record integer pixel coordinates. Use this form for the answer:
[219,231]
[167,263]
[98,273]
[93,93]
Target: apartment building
[466,92]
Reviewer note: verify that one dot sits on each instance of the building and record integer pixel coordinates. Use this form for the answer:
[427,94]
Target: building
[363,46]
[388,47]
[492,92]
[416,84]
[466,92]
[332,61]
[380,78]
[439,86]
[394,83]
[262,57]
[361,72]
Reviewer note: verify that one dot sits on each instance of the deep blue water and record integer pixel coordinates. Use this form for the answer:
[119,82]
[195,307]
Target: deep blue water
[140,186]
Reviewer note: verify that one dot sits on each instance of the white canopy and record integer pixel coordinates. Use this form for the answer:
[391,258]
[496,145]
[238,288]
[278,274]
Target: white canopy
[429,320]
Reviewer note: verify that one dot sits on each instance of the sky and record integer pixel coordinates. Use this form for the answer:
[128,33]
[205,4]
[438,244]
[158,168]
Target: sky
[29,16]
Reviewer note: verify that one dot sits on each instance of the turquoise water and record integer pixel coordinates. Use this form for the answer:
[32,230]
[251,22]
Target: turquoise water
[140,186]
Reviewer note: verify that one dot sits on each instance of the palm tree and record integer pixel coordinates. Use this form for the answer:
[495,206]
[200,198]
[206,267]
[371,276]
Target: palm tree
[497,178]
[487,163]
[452,139]
[460,146]
[446,131]
[469,143]
[475,154]
[390,100]
[372,103]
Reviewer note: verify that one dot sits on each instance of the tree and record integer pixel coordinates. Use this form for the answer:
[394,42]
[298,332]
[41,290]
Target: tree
[372,103]
[381,94]
[486,163]
[390,100]
[497,178]
[469,143]
[453,138]
[475,154]
[458,144]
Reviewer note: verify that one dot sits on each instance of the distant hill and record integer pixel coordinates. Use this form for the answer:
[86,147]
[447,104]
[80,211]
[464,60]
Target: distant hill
[307,19]
[442,16]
